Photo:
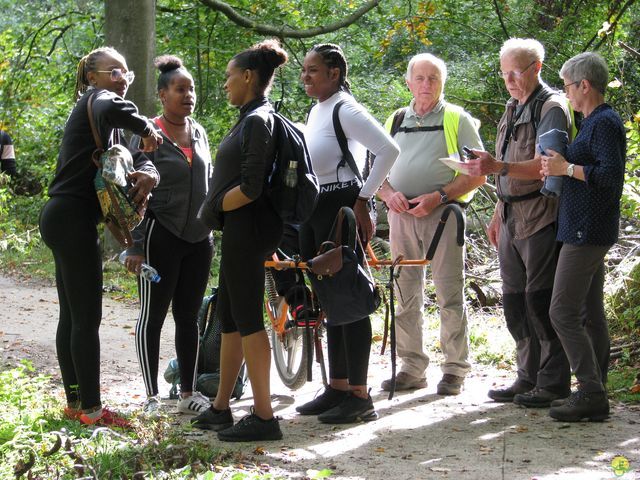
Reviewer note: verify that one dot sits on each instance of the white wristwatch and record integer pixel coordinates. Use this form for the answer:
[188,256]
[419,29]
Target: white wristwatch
[570,169]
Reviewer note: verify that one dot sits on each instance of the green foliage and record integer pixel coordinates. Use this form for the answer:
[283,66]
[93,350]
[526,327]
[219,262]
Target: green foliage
[36,439]
[624,306]
[619,383]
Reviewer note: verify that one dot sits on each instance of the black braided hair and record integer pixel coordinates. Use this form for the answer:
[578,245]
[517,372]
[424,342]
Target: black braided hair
[169,66]
[333,57]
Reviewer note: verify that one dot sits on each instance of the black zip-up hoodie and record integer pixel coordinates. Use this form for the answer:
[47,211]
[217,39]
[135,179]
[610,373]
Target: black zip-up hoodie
[245,157]
[175,202]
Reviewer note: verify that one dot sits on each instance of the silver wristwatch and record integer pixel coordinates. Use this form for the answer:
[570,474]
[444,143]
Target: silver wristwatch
[570,169]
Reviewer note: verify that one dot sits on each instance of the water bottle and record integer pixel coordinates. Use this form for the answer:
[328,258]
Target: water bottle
[146,271]
[291,174]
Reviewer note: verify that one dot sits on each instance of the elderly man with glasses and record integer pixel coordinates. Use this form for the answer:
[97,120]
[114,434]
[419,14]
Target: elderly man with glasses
[523,226]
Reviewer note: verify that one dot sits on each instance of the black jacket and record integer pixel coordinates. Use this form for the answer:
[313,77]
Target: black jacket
[245,157]
[75,169]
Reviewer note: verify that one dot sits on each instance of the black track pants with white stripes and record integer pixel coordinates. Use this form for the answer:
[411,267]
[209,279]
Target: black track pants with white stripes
[184,271]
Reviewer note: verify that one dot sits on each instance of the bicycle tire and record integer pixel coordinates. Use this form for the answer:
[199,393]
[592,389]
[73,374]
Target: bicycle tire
[291,349]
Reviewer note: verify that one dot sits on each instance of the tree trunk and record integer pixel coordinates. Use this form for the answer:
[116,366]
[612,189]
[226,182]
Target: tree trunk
[130,29]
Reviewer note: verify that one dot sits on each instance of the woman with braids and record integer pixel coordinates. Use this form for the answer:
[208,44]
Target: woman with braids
[324,75]
[69,221]
[172,240]
[251,229]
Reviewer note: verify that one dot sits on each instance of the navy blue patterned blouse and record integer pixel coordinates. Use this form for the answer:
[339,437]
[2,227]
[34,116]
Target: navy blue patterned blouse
[590,210]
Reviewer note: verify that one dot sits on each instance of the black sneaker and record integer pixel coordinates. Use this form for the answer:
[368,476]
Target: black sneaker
[252,428]
[536,398]
[323,402]
[593,406]
[212,419]
[351,410]
[505,395]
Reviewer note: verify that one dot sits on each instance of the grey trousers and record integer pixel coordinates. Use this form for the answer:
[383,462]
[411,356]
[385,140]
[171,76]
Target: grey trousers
[411,237]
[527,268]
[577,313]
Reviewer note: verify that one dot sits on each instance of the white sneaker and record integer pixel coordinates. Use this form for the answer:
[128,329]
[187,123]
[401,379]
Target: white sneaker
[151,407]
[193,405]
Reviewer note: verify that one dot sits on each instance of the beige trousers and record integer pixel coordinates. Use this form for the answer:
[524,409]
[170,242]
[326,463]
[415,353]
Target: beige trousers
[411,237]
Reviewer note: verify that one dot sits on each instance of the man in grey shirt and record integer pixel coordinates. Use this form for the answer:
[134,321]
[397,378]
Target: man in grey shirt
[416,192]
[523,226]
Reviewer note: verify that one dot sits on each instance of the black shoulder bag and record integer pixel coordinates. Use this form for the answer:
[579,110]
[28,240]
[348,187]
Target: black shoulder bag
[345,289]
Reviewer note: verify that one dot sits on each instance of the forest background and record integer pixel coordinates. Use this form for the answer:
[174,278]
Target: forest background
[41,43]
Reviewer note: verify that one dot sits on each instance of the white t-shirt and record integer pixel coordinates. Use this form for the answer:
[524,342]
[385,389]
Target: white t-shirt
[362,131]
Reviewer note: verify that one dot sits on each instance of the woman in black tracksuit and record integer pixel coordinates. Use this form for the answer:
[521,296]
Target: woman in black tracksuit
[251,229]
[172,240]
[69,220]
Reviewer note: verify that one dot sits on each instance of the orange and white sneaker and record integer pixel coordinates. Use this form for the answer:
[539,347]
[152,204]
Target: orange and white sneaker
[71,413]
[106,418]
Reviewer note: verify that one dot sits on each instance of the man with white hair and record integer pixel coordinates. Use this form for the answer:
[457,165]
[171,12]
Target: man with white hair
[523,226]
[416,192]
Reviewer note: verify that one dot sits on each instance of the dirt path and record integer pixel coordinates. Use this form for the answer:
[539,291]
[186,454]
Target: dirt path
[418,435]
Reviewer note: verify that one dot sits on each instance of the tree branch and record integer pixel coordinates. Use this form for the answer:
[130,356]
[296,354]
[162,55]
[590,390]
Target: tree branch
[504,28]
[614,24]
[632,51]
[286,32]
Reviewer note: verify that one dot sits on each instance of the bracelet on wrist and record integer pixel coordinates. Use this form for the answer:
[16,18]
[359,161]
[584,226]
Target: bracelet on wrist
[363,199]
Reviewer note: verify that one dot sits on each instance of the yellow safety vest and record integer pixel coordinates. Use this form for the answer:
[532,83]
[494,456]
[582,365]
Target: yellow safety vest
[451,124]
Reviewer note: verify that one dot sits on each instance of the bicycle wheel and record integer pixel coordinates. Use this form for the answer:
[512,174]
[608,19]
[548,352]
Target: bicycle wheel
[290,346]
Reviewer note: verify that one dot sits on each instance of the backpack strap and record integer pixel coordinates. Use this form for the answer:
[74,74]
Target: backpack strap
[344,146]
[538,103]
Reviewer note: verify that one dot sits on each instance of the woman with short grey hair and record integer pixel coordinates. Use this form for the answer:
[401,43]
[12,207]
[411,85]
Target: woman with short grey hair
[588,225]
[587,66]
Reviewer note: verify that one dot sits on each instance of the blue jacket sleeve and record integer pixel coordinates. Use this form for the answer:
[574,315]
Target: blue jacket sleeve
[607,146]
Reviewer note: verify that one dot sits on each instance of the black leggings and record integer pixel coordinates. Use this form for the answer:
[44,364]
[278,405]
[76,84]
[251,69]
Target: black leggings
[348,345]
[68,227]
[184,271]
[250,233]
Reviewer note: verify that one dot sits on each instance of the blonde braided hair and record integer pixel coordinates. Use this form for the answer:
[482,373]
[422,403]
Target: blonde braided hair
[87,64]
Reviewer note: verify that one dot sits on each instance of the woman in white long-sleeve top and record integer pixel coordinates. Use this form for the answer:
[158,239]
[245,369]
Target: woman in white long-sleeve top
[324,75]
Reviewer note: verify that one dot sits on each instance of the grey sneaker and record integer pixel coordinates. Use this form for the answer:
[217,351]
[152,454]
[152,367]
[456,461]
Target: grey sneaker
[151,407]
[450,384]
[212,419]
[404,381]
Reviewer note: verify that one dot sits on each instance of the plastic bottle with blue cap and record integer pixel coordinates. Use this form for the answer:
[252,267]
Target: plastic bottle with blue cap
[146,271]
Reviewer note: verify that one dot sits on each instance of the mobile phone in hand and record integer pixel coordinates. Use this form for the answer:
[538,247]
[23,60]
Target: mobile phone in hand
[467,151]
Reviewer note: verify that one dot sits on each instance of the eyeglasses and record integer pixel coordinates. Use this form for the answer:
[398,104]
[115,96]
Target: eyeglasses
[515,73]
[566,87]
[117,74]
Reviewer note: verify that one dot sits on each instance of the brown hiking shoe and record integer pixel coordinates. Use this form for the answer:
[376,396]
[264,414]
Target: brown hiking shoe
[450,384]
[404,381]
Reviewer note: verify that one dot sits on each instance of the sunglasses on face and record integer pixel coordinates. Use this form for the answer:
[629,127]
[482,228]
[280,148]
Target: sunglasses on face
[117,74]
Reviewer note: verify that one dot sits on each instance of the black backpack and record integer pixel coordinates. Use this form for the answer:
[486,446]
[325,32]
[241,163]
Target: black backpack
[208,363]
[292,186]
